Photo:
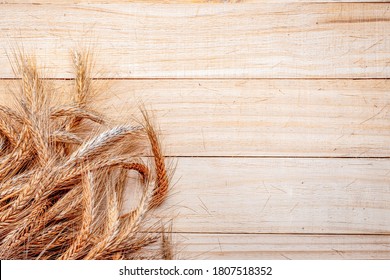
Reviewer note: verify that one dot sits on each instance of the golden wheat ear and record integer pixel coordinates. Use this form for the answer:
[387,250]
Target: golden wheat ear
[162,181]
[63,180]
[83,88]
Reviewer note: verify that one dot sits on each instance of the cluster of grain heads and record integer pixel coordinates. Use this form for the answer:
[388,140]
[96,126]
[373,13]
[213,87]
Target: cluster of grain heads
[64,173]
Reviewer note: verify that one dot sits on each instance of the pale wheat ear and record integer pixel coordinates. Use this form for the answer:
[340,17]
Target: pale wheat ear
[166,243]
[63,177]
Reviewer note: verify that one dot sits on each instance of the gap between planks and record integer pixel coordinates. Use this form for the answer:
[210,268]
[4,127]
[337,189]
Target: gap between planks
[271,233]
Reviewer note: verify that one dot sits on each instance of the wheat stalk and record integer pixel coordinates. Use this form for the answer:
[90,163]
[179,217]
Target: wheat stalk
[63,177]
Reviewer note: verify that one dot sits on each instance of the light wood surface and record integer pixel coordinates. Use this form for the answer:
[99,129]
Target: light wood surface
[281,246]
[293,40]
[311,118]
[276,114]
[284,195]
[184,1]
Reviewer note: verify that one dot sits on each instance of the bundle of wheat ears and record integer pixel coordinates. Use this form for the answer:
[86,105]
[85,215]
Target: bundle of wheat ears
[64,174]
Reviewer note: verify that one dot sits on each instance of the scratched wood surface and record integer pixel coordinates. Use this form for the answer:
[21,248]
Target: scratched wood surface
[281,195]
[294,40]
[281,246]
[181,1]
[338,118]
[275,114]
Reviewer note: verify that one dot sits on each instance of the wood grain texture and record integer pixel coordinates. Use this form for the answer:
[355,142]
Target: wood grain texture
[331,40]
[311,118]
[184,1]
[243,195]
[263,92]
[281,246]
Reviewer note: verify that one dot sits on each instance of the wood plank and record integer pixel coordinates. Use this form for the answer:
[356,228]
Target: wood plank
[284,246]
[183,1]
[296,40]
[315,118]
[285,195]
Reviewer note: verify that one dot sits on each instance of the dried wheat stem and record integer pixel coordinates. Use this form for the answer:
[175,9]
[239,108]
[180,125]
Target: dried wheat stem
[11,164]
[20,234]
[72,111]
[75,171]
[120,185]
[166,244]
[62,183]
[11,115]
[7,129]
[111,229]
[81,240]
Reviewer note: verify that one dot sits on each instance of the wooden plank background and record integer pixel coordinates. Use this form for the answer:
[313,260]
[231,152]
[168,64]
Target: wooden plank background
[290,40]
[276,115]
